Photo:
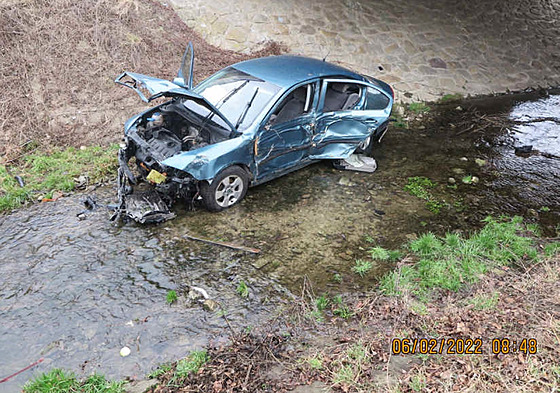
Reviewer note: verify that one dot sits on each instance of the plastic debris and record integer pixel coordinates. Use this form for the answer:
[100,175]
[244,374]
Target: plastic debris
[125,351]
[358,163]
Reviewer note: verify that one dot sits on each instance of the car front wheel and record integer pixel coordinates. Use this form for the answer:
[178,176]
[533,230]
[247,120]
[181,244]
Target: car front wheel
[227,189]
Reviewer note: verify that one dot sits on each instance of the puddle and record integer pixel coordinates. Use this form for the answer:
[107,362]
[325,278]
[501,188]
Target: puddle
[71,288]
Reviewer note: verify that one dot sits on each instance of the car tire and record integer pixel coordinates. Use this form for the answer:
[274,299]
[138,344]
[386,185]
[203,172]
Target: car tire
[228,188]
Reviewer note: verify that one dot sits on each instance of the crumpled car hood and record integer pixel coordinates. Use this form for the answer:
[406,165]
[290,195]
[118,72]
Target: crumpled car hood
[155,86]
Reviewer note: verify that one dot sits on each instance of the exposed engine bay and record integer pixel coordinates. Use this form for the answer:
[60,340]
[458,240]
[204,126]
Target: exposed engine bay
[171,128]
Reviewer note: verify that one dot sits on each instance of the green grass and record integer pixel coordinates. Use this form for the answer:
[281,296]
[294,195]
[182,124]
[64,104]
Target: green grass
[485,301]
[59,381]
[451,97]
[451,261]
[242,289]
[315,362]
[191,364]
[552,249]
[322,303]
[418,107]
[171,297]
[362,267]
[45,174]
[420,186]
[161,370]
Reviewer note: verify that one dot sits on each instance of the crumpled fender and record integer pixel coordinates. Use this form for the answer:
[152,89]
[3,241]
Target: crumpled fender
[205,163]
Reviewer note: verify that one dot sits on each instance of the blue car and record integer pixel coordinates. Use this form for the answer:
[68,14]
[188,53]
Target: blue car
[247,124]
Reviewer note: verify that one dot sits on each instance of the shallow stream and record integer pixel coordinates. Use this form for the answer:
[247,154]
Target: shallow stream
[75,292]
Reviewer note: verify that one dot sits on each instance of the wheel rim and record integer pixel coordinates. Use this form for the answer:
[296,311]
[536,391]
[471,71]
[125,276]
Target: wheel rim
[229,190]
[365,143]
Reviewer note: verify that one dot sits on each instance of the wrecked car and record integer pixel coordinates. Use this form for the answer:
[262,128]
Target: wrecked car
[247,124]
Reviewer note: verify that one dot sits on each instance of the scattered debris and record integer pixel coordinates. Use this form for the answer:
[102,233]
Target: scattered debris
[22,370]
[125,351]
[358,163]
[20,181]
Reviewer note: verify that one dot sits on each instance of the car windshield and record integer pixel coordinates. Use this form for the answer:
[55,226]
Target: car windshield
[240,97]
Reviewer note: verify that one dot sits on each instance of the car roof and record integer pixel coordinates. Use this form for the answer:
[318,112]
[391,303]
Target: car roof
[288,70]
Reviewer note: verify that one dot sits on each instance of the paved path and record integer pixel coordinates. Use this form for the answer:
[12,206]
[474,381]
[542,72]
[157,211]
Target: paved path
[423,47]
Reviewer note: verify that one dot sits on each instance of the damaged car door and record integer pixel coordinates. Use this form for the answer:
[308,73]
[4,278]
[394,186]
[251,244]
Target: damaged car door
[350,114]
[283,142]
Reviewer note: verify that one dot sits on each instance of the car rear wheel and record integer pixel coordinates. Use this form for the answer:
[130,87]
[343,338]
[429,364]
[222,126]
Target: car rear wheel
[227,189]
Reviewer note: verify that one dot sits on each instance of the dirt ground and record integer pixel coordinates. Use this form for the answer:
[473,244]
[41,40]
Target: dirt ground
[59,59]
[355,355]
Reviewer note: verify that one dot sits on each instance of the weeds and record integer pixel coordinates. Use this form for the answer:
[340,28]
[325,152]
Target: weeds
[418,107]
[452,261]
[322,303]
[242,289]
[161,370]
[45,174]
[59,381]
[451,97]
[191,364]
[171,297]
[420,186]
[485,301]
[362,267]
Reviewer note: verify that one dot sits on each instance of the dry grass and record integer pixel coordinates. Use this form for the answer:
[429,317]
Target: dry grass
[59,59]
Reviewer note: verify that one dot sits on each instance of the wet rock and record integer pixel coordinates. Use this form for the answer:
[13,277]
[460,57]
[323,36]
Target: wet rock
[475,180]
[480,161]
[523,149]
[139,386]
[458,108]
[344,181]
[458,171]
[532,212]
[196,293]
[451,180]
[210,305]
[464,159]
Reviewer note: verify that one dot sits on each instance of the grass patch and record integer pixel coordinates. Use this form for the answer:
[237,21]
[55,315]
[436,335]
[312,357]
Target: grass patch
[362,267]
[59,381]
[451,97]
[418,107]
[44,174]
[242,289]
[420,186]
[191,364]
[171,297]
[485,301]
[449,262]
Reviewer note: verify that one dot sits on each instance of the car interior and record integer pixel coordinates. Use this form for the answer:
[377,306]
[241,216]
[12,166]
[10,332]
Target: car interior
[341,96]
[296,104]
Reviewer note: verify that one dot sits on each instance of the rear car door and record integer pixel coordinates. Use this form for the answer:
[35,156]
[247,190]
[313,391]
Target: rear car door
[284,139]
[349,112]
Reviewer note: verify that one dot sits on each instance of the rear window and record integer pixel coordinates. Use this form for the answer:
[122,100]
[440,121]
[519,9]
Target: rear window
[375,99]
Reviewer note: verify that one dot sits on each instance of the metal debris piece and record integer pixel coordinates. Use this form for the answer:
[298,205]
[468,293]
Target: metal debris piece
[358,163]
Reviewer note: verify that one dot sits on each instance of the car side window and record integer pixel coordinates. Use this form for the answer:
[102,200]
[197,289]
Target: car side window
[299,102]
[375,100]
[341,96]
